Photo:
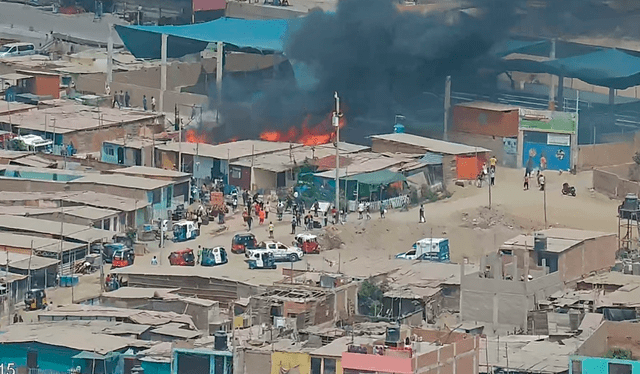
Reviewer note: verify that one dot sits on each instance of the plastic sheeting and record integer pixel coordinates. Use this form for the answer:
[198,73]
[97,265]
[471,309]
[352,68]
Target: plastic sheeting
[382,177]
[257,36]
[607,68]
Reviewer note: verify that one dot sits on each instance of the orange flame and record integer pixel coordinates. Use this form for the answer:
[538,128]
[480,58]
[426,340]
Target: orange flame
[192,136]
[321,133]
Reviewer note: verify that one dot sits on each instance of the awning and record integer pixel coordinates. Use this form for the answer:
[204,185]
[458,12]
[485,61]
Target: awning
[382,177]
[257,36]
[86,355]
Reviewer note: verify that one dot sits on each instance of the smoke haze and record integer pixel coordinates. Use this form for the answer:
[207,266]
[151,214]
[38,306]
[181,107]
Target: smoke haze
[380,60]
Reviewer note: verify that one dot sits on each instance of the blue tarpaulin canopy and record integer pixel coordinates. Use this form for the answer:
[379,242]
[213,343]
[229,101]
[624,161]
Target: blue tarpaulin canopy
[381,177]
[607,68]
[257,36]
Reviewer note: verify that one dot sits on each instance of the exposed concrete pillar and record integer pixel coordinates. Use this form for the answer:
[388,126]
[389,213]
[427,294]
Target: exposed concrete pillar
[520,147]
[552,88]
[544,267]
[514,269]
[163,73]
[447,106]
[526,265]
[612,96]
[561,92]
[496,309]
[219,71]
[110,56]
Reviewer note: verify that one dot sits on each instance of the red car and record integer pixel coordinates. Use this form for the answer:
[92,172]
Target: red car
[243,241]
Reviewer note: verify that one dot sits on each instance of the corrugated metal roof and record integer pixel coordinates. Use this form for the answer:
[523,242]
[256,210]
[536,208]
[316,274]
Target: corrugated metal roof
[150,172]
[431,158]
[124,181]
[494,107]
[429,144]
[71,231]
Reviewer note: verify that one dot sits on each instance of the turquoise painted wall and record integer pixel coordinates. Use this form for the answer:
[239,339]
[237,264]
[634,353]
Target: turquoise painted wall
[599,365]
[156,367]
[49,357]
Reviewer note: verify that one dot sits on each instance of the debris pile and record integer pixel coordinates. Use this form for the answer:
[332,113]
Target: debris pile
[330,238]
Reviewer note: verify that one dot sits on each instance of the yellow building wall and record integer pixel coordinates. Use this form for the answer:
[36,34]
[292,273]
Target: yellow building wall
[290,360]
[339,366]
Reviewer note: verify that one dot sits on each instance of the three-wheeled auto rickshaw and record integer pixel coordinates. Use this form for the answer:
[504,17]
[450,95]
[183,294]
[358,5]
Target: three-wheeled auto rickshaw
[122,257]
[261,260]
[307,242]
[214,256]
[185,230]
[243,241]
[184,257]
[35,299]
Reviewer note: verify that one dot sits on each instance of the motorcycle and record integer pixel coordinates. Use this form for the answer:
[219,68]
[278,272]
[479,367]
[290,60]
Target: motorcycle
[568,190]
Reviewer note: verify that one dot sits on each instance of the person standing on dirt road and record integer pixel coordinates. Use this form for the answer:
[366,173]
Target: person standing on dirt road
[493,161]
[294,221]
[422,219]
[271,227]
[492,176]
[541,181]
[249,220]
[382,210]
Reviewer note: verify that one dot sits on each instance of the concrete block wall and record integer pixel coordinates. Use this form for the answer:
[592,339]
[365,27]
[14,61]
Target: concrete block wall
[460,357]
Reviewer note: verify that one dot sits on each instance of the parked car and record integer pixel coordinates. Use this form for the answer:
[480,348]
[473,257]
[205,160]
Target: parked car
[243,241]
[281,252]
[308,243]
[17,49]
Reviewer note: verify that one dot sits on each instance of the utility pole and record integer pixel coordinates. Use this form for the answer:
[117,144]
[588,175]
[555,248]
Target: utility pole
[489,191]
[110,57]
[29,269]
[544,197]
[336,124]
[9,286]
[163,72]
[552,88]
[219,69]
[447,106]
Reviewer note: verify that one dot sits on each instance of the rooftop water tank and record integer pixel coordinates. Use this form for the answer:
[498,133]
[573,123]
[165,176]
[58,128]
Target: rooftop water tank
[398,128]
[220,341]
[539,242]
[631,202]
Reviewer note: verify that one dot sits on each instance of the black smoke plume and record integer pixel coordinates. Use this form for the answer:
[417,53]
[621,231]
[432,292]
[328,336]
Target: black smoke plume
[382,61]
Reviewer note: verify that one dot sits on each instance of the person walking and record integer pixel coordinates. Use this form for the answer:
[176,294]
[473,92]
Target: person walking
[360,210]
[249,220]
[529,168]
[326,219]
[120,100]
[271,227]
[492,175]
[368,211]
[127,98]
[543,162]
[493,161]
[261,215]
[153,104]
[382,210]
[422,219]
[526,182]
[144,102]
[199,255]
[541,181]
[293,225]
[154,261]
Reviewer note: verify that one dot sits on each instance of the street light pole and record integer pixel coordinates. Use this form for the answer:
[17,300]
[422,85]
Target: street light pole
[336,124]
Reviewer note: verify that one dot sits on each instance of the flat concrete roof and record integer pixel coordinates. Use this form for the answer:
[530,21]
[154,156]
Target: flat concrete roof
[23,261]
[429,144]
[231,150]
[558,239]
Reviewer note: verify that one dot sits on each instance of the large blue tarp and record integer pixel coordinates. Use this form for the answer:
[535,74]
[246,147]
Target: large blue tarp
[607,68]
[257,36]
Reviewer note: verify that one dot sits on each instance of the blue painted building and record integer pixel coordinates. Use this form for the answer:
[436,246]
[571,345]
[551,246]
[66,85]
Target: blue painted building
[548,140]
[613,348]
[138,152]
[158,193]
[42,174]
[202,361]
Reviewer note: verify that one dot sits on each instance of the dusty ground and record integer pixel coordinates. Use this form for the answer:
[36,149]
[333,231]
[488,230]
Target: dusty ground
[465,218]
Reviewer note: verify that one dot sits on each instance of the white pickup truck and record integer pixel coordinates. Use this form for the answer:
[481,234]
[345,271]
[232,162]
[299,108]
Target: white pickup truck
[281,252]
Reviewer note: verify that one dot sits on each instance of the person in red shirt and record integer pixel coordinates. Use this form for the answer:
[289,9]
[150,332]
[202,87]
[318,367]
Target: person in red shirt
[261,214]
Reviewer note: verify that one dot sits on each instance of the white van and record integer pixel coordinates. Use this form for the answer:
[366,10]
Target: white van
[17,49]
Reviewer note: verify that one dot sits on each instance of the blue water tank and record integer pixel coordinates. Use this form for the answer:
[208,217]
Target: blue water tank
[398,128]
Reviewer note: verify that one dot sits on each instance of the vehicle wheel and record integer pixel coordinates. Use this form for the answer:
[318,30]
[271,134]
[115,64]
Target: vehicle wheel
[293,258]
[274,266]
